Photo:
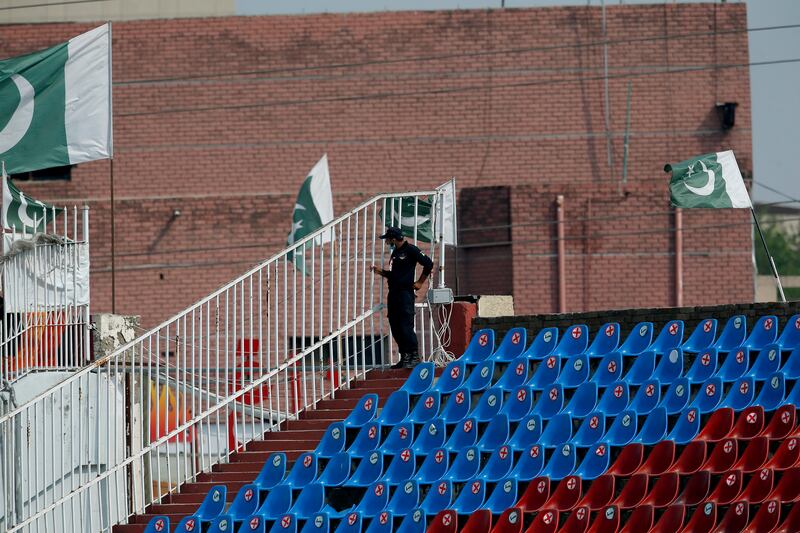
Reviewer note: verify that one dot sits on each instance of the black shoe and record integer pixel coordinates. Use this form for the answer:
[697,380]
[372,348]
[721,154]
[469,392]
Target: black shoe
[411,360]
[401,363]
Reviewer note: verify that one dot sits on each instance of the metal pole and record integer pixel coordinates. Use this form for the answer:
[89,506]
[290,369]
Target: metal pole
[771,261]
[678,257]
[113,245]
[626,143]
[562,265]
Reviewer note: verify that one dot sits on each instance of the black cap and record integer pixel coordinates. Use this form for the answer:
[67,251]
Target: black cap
[392,233]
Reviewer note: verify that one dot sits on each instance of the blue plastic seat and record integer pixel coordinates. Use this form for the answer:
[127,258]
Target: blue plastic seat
[465,466]
[285,524]
[764,332]
[452,377]
[480,347]
[402,467]
[595,463]
[615,399]
[332,442]
[223,524]
[789,338]
[575,340]
[277,502]
[647,397]
[639,339]
[686,427]
[512,346]
[256,523]
[420,380]
[609,369]
[495,434]
[336,471]
[740,395]
[734,365]
[557,431]
[550,402]
[303,472]
[414,522]
[623,429]
[733,334]
[498,466]
[546,373]
[480,378]
[213,504]
[400,437]
[677,396]
[245,503]
[530,463]
[457,407]
[502,497]
[272,472]
[670,337]
[543,345]
[471,497]
[363,412]
[188,524]
[375,500]
[583,401]
[791,368]
[515,375]
[709,397]
[590,431]
[670,366]
[703,367]
[158,524]
[430,437]
[438,498]
[702,338]
[310,501]
[642,369]
[767,363]
[518,404]
[395,410]
[383,523]
[575,371]
[368,471]
[434,467]
[527,432]
[367,440]
[773,390]
[488,406]
[319,523]
[606,340]
[654,429]
[351,523]
[465,433]
[561,463]
[426,408]
[405,498]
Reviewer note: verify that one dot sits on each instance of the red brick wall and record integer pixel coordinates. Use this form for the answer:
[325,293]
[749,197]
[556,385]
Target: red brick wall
[230,151]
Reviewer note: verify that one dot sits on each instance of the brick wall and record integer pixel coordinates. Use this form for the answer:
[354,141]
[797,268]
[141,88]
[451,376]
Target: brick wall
[506,98]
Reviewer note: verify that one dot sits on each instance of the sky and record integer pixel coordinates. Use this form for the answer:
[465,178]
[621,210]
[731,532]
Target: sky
[775,88]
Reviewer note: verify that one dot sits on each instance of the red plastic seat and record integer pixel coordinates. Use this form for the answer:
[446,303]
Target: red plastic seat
[735,519]
[786,456]
[791,524]
[535,495]
[545,522]
[509,522]
[787,490]
[749,424]
[782,423]
[671,520]
[577,521]
[445,521]
[664,491]
[691,459]
[640,520]
[599,494]
[766,519]
[759,487]
[703,519]
[722,457]
[628,460]
[659,460]
[728,488]
[718,425]
[633,492]
[566,496]
[754,456]
[696,489]
[479,521]
[605,521]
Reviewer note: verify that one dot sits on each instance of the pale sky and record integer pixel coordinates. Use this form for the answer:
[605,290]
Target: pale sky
[775,88]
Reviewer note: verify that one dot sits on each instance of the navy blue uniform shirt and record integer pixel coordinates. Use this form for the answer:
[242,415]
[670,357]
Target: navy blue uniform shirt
[403,266]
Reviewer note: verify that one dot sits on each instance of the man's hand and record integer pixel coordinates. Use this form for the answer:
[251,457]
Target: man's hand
[418,285]
[378,271]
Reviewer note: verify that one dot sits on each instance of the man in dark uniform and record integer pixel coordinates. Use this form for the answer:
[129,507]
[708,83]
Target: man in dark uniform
[400,302]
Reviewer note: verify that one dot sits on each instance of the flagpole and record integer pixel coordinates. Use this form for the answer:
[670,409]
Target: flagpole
[113,244]
[769,256]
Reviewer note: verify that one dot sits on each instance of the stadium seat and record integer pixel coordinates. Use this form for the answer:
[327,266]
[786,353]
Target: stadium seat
[488,405]
[575,340]
[702,337]
[336,471]
[791,368]
[502,497]
[426,408]
[642,369]
[158,524]
[480,377]
[498,466]
[430,437]
[781,424]
[433,468]
[615,399]
[535,495]
[606,521]
[284,524]
[518,404]
[696,489]
[213,504]
[550,402]
[405,498]
[363,412]
[633,492]
[332,442]
[255,523]
[595,463]
[382,523]
[677,396]
[591,430]
[471,498]
[420,380]
[304,470]
[722,457]
[452,377]
[319,523]
[639,339]
[223,524]
[495,434]
[670,366]
[515,375]
[546,373]
[480,347]
[350,524]
[671,520]
[687,427]
[741,394]
[457,406]
[464,434]
[767,362]
[773,390]
[703,367]
[754,456]
[599,493]
[659,460]
[654,428]
[367,440]
[609,369]
[512,346]
[622,430]
[709,396]
[413,522]
[444,522]
[733,334]
[728,488]
[748,424]
[575,372]
[400,437]
[718,425]
[510,521]
[561,463]
[310,501]
[664,492]
[669,338]
[374,501]
[789,338]
[606,340]
[530,463]
[368,471]
[767,518]
[736,517]
[544,522]
[479,522]
[465,466]
[647,397]
[628,461]
[557,431]
[764,332]
[641,519]
[245,503]
[583,401]
[277,502]
[566,495]
[786,456]
[272,472]
[395,410]
[734,365]
[787,490]
[543,345]
[759,487]
[402,467]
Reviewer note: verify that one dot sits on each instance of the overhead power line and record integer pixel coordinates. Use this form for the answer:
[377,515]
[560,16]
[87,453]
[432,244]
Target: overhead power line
[50,4]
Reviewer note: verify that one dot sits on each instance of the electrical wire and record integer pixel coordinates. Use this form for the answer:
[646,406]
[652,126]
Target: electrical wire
[49,4]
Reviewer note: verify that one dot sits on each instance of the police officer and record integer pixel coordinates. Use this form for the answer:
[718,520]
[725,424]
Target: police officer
[400,301]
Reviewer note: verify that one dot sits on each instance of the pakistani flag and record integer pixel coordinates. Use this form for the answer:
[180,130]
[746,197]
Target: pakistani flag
[55,104]
[711,180]
[313,209]
[409,212]
[22,213]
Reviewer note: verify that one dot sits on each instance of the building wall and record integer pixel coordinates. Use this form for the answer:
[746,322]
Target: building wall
[221,118]
[77,11]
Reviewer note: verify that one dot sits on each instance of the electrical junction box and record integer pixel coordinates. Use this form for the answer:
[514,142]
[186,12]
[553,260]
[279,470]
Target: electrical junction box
[440,296]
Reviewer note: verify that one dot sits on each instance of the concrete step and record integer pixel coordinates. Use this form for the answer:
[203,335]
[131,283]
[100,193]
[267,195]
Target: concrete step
[382,393]
[339,403]
[378,384]
[233,480]
[326,414]
[282,445]
[310,424]
[298,434]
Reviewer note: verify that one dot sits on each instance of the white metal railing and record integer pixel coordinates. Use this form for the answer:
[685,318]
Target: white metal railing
[243,361]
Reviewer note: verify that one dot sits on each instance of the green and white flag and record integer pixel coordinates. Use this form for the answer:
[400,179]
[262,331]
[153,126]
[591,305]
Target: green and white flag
[711,180]
[23,214]
[313,209]
[409,213]
[55,104]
